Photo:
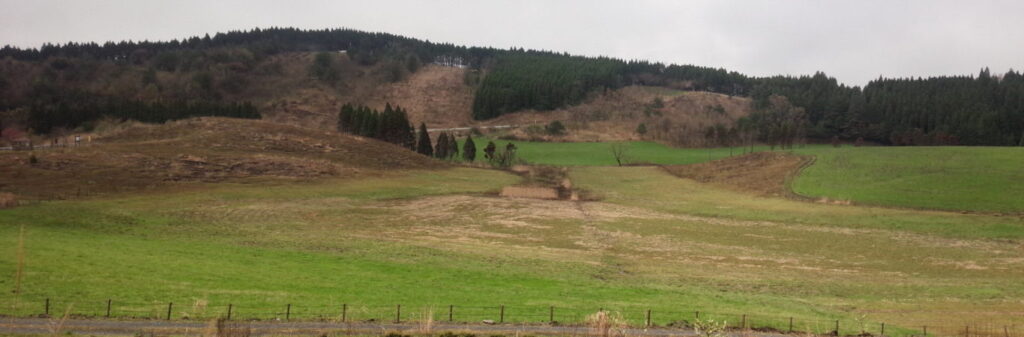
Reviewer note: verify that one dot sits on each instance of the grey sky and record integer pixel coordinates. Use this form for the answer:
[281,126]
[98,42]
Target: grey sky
[855,41]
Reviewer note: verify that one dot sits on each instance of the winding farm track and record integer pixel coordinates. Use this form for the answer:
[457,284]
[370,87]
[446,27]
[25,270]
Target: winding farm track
[36,326]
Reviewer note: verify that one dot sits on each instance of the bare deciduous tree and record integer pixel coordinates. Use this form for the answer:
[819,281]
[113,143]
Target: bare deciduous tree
[620,151]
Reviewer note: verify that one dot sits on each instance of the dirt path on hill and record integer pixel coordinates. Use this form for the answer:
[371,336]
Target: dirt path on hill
[20,326]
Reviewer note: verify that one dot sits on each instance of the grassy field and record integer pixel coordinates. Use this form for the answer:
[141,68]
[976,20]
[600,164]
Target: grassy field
[987,179]
[953,178]
[600,154]
[429,239]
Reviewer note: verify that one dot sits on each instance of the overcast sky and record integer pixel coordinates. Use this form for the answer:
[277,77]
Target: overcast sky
[855,41]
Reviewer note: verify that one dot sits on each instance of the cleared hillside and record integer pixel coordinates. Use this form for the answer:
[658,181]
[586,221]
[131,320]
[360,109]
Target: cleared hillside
[142,156]
[433,94]
[672,116]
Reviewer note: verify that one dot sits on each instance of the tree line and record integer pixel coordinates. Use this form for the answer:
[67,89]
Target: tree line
[80,109]
[391,125]
[948,110]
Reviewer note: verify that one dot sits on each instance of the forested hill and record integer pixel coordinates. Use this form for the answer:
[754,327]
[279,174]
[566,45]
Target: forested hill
[984,109]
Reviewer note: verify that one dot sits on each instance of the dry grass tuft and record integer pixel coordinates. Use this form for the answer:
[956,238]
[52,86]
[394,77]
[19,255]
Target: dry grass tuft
[425,325]
[199,308]
[605,324]
[709,328]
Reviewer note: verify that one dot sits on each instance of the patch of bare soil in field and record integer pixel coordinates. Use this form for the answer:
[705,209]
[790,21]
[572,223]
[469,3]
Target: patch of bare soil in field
[761,173]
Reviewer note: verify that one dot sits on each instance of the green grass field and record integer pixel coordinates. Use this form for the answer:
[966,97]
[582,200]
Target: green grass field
[429,239]
[600,154]
[952,178]
[988,179]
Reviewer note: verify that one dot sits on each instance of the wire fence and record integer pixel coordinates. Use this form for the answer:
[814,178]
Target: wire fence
[497,314]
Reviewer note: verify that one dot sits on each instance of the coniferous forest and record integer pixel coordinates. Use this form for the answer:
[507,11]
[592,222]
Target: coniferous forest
[391,125]
[78,110]
[982,109]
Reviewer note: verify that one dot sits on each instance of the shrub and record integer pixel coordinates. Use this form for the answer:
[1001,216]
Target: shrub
[555,128]
[709,328]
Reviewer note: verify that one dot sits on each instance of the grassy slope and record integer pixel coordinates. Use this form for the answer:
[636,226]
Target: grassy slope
[954,178]
[945,178]
[656,242]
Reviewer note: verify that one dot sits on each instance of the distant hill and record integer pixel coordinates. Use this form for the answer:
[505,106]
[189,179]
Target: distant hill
[302,77]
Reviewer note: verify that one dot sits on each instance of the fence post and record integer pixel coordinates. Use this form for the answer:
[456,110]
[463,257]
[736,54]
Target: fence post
[1006,331]
[344,311]
[791,325]
[230,307]
[398,313]
[967,331]
[501,317]
[696,314]
[551,314]
[837,327]
[648,317]
[47,310]
[288,312]
[451,311]
[926,331]
[743,323]
[108,308]
[169,306]
[883,329]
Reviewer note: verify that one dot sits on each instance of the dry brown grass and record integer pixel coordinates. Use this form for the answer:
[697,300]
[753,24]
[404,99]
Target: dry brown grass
[8,200]
[605,324]
[144,157]
[425,325]
[761,173]
[545,193]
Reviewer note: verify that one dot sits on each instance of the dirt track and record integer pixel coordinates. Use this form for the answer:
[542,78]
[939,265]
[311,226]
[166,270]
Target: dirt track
[12,326]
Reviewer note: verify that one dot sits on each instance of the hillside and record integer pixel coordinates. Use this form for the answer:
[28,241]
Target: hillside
[433,94]
[680,118]
[284,91]
[201,150]
[272,67]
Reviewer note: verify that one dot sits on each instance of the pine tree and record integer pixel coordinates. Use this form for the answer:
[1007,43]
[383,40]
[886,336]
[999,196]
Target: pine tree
[453,147]
[441,148]
[489,150]
[469,149]
[423,146]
